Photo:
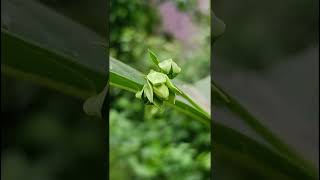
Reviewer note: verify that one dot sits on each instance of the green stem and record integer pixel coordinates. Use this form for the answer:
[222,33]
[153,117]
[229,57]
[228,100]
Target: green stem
[198,107]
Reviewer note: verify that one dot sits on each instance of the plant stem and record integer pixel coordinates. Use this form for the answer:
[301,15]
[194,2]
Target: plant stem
[198,107]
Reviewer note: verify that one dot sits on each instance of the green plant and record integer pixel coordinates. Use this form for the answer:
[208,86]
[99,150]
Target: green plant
[158,86]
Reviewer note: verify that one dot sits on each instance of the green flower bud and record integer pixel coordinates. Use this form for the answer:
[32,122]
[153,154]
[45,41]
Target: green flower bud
[161,91]
[170,68]
[156,78]
[159,83]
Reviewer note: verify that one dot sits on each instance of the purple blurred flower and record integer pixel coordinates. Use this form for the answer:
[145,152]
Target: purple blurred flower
[177,23]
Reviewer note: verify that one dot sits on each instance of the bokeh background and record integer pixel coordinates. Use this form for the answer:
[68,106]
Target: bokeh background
[268,59]
[144,143]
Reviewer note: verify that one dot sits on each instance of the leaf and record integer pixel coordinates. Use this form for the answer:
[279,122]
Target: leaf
[234,147]
[172,87]
[282,148]
[218,27]
[47,68]
[97,105]
[153,57]
[74,65]
[125,77]
[148,91]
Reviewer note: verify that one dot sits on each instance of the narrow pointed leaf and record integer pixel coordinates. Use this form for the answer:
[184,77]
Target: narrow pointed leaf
[153,57]
[218,27]
[148,91]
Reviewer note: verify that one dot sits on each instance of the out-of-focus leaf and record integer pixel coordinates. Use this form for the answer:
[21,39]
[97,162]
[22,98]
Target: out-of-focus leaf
[234,147]
[27,60]
[282,148]
[35,36]
[218,27]
[97,105]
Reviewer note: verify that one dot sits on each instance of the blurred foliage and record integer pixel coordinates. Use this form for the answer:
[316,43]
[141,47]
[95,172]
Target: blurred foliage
[93,18]
[132,22]
[147,144]
[136,26]
[185,5]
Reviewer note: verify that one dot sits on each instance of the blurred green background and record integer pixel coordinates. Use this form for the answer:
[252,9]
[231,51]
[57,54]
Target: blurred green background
[145,143]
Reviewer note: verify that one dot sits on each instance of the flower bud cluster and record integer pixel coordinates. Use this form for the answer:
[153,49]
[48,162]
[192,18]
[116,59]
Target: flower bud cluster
[159,87]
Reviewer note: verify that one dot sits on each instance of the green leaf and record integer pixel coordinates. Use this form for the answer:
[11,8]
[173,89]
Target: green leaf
[283,149]
[280,163]
[36,37]
[153,57]
[218,27]
[172,87]
[125,77]
[97,105]
[148,91]
[240,150]
[61,72]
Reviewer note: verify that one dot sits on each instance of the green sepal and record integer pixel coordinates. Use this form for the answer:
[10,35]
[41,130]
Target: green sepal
[139,94]
[156,78]
[161,91]
[148,91]
[172,87]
